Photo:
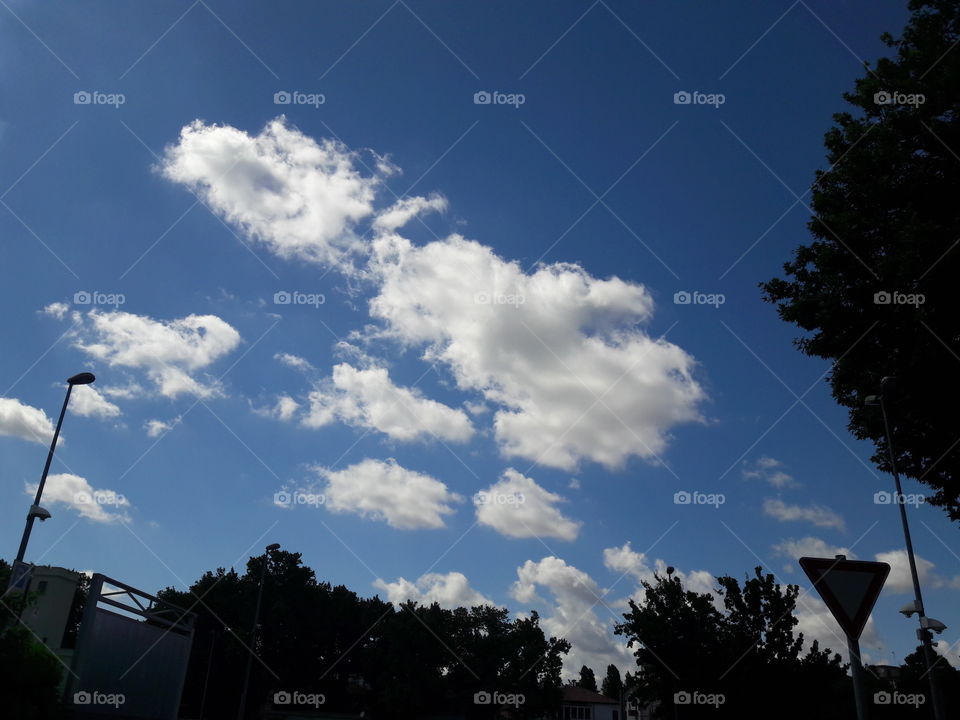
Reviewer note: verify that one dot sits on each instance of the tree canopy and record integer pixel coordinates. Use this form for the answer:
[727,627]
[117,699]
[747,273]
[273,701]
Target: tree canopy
[361,654]
[875,290]
[726,655]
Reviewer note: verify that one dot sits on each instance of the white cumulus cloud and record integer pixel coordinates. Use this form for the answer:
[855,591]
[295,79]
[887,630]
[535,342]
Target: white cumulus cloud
[575,610]
[383,490]
[450,590]
[626,560]
[299,197]
[86,401]
[171,352]
[517,507]
[24,421]
[816,514]
[771,471]
[98,505]
[559,351]
[900,581]
[797,548]
[405,209]
[368,398]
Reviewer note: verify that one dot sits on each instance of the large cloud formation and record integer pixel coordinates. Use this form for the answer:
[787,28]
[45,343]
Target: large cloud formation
[562,353]
[299,197]
[563,356]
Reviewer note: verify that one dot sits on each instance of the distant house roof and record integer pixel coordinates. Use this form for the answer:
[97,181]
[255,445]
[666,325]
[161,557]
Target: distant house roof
[577,694]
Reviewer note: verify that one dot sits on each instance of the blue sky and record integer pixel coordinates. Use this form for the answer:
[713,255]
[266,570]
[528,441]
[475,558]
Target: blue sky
[483,297]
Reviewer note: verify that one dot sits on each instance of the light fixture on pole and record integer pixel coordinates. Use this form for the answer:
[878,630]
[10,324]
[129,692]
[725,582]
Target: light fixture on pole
[253,632]
[36,511]
[887,385]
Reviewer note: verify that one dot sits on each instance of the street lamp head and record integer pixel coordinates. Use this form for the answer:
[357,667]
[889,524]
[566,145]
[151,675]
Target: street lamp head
[930,623]
[39,512]
[272,547]
[83,378]
[871,400]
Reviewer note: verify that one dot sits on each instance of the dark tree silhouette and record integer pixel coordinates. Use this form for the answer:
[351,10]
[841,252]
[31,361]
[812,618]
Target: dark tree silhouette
[886,229]
[612,686]
[743,658]
[588,680]
[360,654]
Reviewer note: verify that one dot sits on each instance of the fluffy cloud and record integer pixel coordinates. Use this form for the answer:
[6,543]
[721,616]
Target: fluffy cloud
[810,547]
[560,351]
[571,613]
[771,471]
[24,421]
[86,401]
[381,490]
[156,428]
[561,355]
[57,310]
[369,399]
[299,197]
[949,652]
[626,561]
[405,209]
[900,580]
[817,514]
[102,506]
[294,361]
[450,590]
[517,507]
[170,352]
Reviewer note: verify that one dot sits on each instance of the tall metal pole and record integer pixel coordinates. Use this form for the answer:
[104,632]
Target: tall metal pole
[856,673]
[253,633]
[923,634]
[43,478]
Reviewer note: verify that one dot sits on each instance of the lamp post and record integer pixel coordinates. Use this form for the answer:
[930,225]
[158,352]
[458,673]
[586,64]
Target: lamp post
[923,633]
[253,632]
[36,511]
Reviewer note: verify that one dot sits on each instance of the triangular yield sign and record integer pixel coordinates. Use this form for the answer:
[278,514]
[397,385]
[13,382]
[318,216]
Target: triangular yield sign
[848,587]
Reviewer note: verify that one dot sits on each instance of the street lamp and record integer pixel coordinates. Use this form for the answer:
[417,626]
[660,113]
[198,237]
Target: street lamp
[253,632]
[926,624]
[36,511]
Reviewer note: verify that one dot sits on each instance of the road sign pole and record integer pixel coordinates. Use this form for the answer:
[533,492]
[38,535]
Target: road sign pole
[856,672]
